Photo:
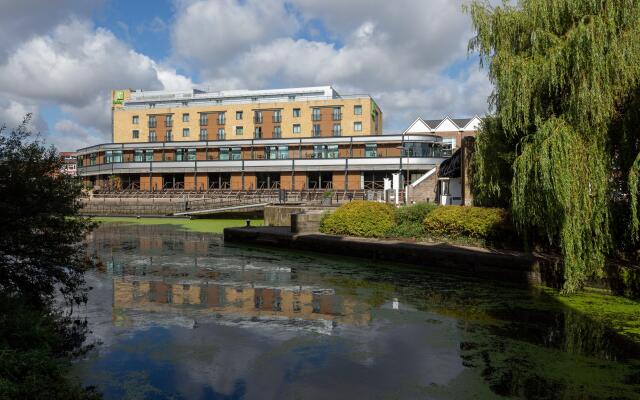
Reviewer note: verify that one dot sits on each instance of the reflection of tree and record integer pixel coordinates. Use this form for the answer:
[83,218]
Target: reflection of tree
[568,357]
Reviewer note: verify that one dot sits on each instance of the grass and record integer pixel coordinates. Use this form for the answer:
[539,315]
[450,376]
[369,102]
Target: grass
[195,225]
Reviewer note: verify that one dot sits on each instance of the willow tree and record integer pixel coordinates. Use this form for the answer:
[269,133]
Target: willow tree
[566,97]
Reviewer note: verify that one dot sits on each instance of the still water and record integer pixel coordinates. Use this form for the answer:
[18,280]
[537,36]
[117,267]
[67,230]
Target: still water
[181,315]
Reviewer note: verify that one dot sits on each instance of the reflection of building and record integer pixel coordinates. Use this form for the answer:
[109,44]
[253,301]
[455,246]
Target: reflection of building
[238,299]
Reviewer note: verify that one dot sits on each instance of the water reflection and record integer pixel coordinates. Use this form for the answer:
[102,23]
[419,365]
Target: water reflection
[181,315]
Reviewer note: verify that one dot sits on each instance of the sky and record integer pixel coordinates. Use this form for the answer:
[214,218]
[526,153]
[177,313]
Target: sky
[60,59]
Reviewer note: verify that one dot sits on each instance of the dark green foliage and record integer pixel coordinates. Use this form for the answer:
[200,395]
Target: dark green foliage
[492,170]
[359,218]
[42,258]
[35,349]
[566,130]
[471,222]
[409,220]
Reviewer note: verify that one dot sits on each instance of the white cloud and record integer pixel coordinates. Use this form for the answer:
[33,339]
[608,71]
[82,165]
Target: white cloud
[409,54]
[401,52]
[76,67]
[213,32]
[21,20]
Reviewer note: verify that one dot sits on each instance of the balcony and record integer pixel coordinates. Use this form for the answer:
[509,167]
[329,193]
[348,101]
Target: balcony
[204,121]
[203,137]
[152,124]
[316,117]
[221,120]
[276,119]
[337,116]
[220,136]
[168,123]
[315,132]
[257,135]
[257,120]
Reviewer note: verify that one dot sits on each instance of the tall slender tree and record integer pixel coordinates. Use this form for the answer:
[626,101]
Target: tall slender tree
[566,75]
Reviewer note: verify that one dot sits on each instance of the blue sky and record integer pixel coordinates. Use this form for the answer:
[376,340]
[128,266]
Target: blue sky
[61,58]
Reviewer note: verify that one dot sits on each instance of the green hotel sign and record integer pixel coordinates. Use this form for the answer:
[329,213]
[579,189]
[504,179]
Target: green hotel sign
[374,110]
[119,97]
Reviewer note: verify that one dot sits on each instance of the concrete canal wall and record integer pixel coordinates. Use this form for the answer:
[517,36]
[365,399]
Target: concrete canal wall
[502,265]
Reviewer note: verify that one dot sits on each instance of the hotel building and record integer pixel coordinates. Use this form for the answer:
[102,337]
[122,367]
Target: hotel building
[293,139]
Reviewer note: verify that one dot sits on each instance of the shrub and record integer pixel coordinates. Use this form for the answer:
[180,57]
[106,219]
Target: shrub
[474,222]
[410,220]
[414,212]
[359,218]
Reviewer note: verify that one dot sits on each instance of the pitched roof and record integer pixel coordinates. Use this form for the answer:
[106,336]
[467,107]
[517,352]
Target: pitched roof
[432,123]
[461,122]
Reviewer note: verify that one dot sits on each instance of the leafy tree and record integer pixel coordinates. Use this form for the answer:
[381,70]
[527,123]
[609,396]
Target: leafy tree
[42,259]
[566,76]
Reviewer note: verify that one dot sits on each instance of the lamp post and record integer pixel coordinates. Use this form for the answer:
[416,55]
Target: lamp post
[401,178]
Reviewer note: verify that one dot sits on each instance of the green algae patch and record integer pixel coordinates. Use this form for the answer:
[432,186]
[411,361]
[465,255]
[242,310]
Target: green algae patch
[619,313]
[195,225]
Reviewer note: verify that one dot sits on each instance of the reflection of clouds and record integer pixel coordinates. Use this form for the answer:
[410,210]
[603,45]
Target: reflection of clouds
[323,352]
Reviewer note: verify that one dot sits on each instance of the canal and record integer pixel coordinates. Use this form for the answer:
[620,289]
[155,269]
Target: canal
[177,314]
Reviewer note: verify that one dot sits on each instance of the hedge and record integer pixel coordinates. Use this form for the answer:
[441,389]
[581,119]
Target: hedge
[474,222]
[359,218]
[410,220]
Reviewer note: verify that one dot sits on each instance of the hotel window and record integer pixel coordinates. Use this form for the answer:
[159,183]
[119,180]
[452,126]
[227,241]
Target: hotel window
[371,150]
[185,132]
[203,134]
[152,136]
[114,156]
[135,134]
[296,128]
[277,116]
[337,130]
[357,126]
[238,115]
[135,120]
[152,121]
[143,155]
[185,117]
[258,132]
[337,115]
[221,133]
[236,153]
[276,152]
[204,119]
[92,159]
[316,114]
[277,132]
[316,130]
[239,130]
[224,153]
[296,113]
[257,117]
[168,136]
[357,110]
[221,118]
[168,121]
[332,151]
[185,154]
